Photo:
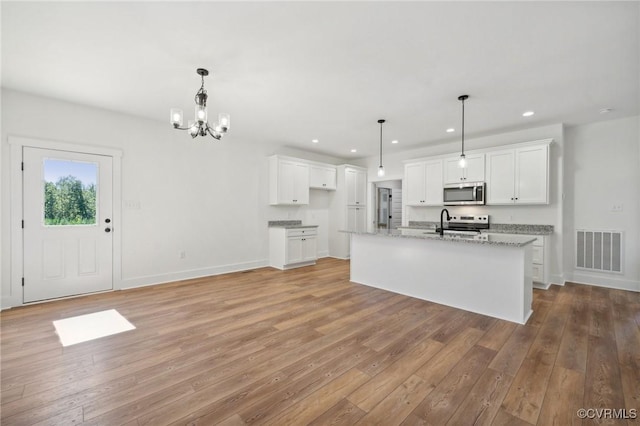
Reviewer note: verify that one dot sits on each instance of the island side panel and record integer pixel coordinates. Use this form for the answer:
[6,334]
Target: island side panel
[488,279]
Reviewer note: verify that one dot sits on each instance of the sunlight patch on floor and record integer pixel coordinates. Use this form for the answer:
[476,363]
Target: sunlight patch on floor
[91,326]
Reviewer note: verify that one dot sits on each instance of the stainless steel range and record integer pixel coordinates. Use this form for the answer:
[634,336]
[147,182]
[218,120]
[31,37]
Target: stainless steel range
[466,225]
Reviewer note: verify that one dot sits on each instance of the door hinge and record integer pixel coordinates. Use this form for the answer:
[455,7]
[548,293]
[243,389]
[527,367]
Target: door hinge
[22,281]
[22,166]
[22,224]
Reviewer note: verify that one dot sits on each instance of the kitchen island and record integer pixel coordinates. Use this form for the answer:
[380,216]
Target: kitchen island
[486,274]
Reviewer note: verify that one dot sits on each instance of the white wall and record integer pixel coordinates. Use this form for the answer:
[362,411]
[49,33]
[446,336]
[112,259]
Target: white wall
[550,214]
[204,197]
[602,168]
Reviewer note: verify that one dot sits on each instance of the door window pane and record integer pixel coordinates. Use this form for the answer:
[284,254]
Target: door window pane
[70,189]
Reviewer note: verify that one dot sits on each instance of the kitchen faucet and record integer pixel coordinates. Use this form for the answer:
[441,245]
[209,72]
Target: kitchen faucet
[442,222]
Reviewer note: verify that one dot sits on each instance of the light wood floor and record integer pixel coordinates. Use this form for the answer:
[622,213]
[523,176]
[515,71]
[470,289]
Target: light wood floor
[306,346]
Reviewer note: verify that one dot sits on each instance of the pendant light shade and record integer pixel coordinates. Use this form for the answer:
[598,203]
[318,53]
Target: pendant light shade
[381,167]
[463,160]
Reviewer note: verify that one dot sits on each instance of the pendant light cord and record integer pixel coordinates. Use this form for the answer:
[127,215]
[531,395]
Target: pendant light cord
[380,144]
[463,126]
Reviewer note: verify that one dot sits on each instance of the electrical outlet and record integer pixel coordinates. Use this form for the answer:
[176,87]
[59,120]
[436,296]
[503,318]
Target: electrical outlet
[616,207]
[183,254]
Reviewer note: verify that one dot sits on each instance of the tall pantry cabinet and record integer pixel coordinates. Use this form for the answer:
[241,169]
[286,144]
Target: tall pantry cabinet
[348,208]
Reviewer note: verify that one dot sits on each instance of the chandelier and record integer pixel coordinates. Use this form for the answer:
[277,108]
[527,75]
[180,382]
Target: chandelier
[200,126]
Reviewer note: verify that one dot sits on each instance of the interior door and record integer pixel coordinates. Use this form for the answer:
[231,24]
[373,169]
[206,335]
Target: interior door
[68,243]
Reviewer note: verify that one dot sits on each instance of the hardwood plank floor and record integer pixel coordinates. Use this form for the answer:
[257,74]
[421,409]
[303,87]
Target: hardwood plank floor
[307,346]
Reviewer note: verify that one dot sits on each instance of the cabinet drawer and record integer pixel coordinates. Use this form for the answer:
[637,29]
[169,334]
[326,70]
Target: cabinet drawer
[301,232]
[537,273]
[538,255]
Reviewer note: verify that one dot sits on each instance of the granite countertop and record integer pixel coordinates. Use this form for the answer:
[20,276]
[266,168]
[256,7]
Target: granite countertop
[289,224]
[495,228]
[498,240]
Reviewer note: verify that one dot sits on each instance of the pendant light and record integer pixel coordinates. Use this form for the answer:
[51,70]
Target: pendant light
[463,160]
[381,168]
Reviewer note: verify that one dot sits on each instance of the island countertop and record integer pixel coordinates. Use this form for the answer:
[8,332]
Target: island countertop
[496,240]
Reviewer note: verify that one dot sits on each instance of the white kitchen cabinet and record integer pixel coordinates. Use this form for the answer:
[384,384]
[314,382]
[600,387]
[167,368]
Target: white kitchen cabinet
[423,181]
[322,176]
[356,219]
[347,209]
[518,176]
[356,184]
[288,181]
[292,248]
[474,172]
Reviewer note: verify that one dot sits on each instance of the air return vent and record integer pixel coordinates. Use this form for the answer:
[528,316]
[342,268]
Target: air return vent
[599,250]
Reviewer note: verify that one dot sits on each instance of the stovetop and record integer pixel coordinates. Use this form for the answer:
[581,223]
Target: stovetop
[466,224]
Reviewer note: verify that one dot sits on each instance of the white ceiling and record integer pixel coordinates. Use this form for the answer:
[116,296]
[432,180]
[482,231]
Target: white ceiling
[291,72]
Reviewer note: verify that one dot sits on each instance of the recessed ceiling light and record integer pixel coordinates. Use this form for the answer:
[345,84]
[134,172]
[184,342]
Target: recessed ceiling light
[451,130]
[606,110]
[528,114]
[394,141]
[315,140]
[354,150]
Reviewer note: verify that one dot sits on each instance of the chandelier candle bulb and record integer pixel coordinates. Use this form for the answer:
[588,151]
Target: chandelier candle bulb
[193,129]
[201,113]
[176,117]
[224,121]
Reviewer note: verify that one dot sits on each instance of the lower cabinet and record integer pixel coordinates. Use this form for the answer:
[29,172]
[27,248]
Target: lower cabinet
[292,248]
[539,274]
[356,219]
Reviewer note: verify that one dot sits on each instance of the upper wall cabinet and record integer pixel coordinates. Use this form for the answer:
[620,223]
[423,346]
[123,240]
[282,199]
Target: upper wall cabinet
[356,183]
[288,181]
[474,172]
[423,182]
[518,176]
[322,176]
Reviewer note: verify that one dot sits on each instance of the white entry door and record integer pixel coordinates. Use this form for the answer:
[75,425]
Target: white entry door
[68,243]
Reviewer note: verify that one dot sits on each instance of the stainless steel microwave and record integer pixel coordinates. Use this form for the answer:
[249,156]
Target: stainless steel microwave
[463,194]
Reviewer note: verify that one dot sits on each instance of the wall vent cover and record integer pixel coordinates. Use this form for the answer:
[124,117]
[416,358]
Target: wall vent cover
[599,250]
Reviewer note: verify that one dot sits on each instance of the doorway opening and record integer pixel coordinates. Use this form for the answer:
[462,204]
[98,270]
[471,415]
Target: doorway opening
[388,204]
[65,199]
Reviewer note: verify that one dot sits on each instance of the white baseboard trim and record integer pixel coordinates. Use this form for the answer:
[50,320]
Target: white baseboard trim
[557,280]
[323,253]
[341,258]
[190,274]
[602,281]
[541,286]
[9,302]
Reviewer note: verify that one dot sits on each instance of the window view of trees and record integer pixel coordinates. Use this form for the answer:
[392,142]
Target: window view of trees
[69,202]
